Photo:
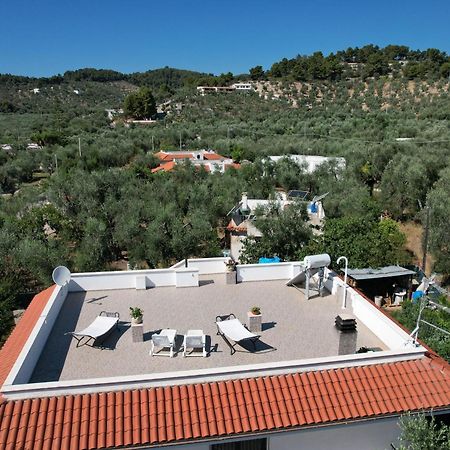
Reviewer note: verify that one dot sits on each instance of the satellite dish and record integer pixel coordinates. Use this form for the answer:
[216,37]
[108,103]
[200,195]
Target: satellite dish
[61,275]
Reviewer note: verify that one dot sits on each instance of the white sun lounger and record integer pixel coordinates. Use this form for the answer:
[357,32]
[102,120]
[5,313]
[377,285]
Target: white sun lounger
[99,328]
[231,329]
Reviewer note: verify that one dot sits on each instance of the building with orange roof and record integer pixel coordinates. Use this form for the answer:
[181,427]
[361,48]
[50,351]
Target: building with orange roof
[208,159]
[303,384]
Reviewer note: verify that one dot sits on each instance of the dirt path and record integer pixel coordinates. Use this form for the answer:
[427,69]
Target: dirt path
[413,232]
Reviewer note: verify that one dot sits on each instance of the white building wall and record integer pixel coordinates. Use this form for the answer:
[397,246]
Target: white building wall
[371,435]
[368,435]
[199,446]
[236,246]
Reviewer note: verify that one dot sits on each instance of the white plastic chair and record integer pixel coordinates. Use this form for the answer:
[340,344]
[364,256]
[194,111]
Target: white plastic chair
[164,339]
[194,339]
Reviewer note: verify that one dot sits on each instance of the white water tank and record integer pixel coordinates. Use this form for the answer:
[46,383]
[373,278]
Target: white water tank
[316,261]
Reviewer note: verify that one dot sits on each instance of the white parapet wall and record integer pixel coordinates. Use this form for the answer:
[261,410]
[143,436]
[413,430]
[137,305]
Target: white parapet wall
[208,265]
[204,265]
[99,281]
[266,272]
[25,363]
[369,314]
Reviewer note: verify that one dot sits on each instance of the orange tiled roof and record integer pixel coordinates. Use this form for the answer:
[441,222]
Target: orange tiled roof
[166,167]
[233,227]
[13,346]
[171,156]
[212,156]
[217,409]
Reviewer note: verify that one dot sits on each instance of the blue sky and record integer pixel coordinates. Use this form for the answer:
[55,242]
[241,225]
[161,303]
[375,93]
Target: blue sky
[46,37]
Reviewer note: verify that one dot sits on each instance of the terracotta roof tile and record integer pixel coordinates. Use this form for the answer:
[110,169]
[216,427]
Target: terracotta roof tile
[212,156]
[181,413]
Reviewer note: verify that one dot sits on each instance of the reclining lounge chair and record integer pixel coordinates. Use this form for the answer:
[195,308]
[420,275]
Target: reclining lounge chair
[98,330]
[231,329]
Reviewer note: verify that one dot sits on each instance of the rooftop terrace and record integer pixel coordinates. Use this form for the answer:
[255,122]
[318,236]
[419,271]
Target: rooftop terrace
[293,328]
[297,334]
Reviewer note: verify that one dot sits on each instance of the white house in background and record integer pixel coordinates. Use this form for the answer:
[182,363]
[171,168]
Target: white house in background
[304,384]
[241,217]
[6,147]
[242,86]
[33,146]
[113,112]
[208,159]
[311,162]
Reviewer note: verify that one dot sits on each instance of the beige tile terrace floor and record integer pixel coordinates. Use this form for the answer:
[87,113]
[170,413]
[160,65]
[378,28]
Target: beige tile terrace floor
[293,328]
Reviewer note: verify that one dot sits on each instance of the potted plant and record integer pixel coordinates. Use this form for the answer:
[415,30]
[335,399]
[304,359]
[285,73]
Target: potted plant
[230,273]
[231,265]
[254,319]
[136,314]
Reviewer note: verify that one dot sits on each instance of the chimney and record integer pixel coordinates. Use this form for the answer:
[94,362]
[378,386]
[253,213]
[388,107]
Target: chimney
[244,202]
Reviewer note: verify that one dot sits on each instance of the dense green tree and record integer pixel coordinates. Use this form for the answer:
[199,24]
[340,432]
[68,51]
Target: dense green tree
[438,341]
[140,105]
[284,233]
[423,433]
[257,73]
[365,242]
[439,204]
[404,185]
[48,137]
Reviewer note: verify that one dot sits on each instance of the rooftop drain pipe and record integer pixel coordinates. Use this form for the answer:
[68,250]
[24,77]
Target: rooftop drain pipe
[344,296]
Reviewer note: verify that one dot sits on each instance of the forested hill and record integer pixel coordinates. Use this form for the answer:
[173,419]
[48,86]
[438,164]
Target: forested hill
[365,62]
[88,87]
[107,88]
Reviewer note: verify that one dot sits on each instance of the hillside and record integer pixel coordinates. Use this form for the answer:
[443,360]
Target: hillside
[87,198]
[85,88]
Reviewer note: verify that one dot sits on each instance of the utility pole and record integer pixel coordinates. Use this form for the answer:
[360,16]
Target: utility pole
[153,143]
[425,239]
[56,163]
[79,146]
[180,140]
